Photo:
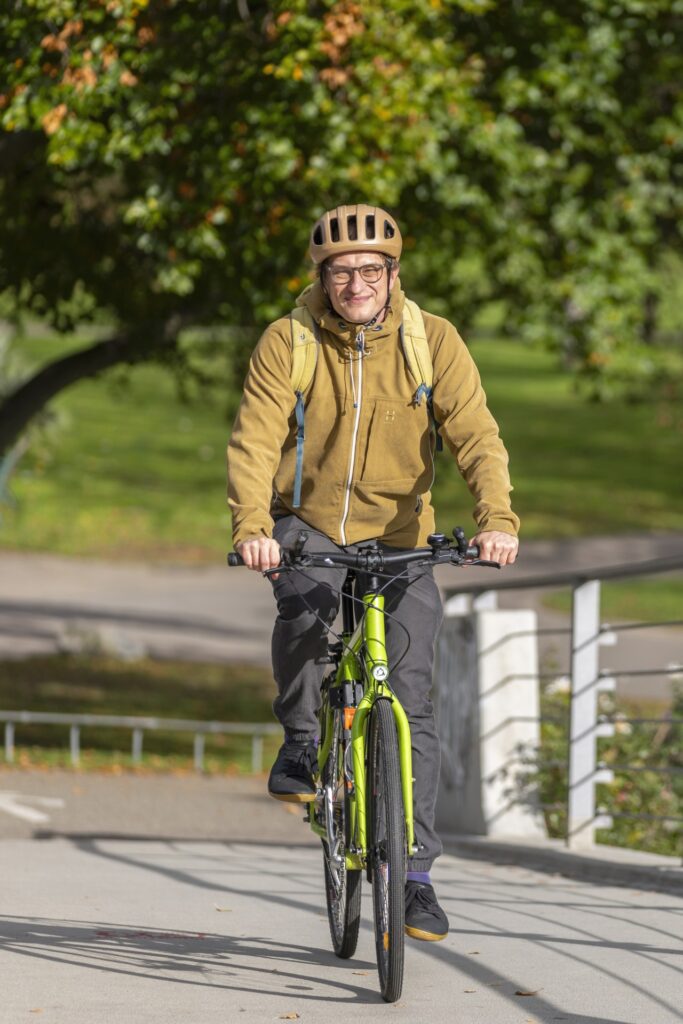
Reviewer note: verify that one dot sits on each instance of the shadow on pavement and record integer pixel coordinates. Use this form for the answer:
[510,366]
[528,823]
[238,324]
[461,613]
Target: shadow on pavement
[271,869]
[181,957]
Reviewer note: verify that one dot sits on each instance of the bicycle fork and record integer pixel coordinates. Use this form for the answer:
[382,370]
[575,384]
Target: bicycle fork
[358,734]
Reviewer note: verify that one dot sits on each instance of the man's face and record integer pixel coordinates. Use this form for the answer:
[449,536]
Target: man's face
[356,299]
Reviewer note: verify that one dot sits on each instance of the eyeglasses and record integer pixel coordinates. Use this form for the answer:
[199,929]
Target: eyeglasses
[370,273]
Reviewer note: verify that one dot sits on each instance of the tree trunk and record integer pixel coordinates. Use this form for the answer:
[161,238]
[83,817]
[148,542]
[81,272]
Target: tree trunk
[650,311]
[21,406]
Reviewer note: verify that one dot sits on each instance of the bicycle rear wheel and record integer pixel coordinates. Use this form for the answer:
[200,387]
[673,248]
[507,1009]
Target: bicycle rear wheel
[342,886]
[386,847]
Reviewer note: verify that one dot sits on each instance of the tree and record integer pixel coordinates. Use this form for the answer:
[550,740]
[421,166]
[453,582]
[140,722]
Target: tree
[161,162]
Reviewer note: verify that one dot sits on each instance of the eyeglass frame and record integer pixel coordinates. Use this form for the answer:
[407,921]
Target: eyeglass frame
[349,272]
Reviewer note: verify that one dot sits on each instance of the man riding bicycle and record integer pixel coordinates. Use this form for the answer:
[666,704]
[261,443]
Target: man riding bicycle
[342,407]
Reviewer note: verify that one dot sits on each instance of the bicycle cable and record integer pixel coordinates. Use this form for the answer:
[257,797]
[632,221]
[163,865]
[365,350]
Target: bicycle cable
[328,629]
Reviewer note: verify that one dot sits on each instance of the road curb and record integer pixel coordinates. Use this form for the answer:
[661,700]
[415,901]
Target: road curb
[605,864]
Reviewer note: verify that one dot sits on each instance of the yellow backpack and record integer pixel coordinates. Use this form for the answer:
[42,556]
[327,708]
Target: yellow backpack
[305,342]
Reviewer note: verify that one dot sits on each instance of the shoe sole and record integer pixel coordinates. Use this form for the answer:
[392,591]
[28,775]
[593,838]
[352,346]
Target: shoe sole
[293,798]
[417,933]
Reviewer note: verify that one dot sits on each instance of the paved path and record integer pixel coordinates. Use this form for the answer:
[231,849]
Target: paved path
[49,603]
[101,922]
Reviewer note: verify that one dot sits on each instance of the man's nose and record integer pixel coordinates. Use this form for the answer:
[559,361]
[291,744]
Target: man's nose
[356,283]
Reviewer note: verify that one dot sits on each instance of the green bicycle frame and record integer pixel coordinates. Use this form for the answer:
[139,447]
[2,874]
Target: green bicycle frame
[365,657]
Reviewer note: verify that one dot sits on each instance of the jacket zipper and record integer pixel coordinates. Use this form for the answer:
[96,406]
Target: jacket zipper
[360,342]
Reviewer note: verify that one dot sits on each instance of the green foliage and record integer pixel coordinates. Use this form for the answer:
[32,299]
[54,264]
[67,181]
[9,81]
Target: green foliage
[647,760]
[167,157]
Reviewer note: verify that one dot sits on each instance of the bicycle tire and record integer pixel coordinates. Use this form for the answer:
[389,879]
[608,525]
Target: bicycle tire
[386,848]
[342,885]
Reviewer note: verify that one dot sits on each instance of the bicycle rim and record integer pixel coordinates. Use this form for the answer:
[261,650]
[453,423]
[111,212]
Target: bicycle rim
[386,848]
[342,886]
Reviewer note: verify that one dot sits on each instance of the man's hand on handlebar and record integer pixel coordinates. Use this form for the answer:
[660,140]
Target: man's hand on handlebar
[260,554]
[496,546]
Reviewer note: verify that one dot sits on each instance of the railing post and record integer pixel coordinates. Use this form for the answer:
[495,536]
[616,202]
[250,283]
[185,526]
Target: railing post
[199,740]
[75,744]
[136,746]
[583,714]
[9,742]
[256,753]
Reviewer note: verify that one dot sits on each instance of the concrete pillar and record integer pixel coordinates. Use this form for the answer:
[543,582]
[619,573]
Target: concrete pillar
[487,699]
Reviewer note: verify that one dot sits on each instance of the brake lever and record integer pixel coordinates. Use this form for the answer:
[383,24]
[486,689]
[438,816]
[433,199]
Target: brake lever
[481,561]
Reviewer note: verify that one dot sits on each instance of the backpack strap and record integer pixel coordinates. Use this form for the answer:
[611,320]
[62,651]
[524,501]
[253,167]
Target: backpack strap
[305,341]
[419,359]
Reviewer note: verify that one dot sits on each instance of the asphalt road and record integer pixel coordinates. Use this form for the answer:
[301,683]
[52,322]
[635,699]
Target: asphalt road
[191,901]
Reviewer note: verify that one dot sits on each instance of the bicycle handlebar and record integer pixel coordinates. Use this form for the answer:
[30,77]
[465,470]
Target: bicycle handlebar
[372,559]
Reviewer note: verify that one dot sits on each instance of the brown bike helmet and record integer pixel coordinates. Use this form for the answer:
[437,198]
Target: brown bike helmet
[352,229]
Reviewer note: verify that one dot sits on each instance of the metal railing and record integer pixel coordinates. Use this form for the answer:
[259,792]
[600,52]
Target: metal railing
[586,725]
[138,726]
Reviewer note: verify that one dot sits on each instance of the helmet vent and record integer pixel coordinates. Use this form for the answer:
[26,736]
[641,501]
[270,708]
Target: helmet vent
[352,228]
[334,229]
[318,236]
[370,226]
[388,230]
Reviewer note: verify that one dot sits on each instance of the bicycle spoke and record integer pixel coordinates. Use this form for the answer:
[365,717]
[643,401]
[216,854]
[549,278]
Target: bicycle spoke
[342,886]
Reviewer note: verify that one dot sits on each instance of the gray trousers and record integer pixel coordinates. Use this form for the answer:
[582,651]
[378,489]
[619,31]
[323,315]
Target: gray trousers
[413,607]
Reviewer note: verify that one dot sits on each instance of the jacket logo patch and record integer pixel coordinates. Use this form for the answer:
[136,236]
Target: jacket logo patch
[389,415]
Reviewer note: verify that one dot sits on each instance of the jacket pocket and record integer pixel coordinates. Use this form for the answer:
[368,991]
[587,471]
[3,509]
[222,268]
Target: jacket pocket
[398,445]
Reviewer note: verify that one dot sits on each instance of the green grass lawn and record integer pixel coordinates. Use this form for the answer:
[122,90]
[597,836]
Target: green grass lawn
[638,600]
[106,686]
[130,471]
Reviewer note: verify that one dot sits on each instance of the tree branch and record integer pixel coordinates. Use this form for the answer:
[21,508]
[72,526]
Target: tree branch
[29,398]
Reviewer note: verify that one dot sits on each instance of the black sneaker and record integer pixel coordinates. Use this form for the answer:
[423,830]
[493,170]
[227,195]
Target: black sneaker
[291,777]
[424,917]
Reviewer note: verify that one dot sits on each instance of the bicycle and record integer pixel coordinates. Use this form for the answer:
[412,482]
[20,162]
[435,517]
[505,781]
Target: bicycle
[363,808]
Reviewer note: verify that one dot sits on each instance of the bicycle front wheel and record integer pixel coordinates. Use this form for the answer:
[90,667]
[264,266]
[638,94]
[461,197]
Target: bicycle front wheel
[342,886]
[386,847]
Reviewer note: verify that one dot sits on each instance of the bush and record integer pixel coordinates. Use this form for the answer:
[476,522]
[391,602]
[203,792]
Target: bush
[647,760]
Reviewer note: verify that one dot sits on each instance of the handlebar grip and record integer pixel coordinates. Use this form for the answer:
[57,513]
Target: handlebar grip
[235,559]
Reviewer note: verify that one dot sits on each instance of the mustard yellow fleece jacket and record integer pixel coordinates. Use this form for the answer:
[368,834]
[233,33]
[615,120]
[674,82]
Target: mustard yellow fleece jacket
[368,455]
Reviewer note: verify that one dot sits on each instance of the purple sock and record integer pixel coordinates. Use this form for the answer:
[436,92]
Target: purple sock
[418,876]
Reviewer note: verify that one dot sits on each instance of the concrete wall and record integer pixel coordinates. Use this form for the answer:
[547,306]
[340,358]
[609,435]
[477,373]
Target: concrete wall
[486,676]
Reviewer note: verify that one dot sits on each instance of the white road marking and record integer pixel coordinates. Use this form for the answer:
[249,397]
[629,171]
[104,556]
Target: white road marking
[11,803]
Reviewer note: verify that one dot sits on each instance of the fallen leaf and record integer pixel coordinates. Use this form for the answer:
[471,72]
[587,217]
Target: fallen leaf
[469,990]
[473,952]
[360,972]
[522,992]
[289,1016]
[223,910]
